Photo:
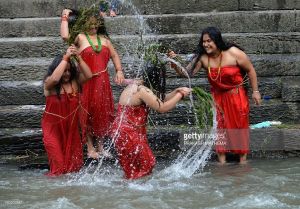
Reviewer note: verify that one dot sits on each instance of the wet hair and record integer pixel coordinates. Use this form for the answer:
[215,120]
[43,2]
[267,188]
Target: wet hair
[215,35]
[73,16]
[57,60]
[154,77]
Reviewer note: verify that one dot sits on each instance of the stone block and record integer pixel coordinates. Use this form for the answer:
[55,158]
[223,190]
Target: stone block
[291,89]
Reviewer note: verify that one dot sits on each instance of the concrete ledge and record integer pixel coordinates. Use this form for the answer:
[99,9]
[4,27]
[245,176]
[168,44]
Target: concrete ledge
[29,116]
[31,92]
[164,141]
[269,4]
[228,22]
[253,43]
[29,69]
[291,90]
[43,8]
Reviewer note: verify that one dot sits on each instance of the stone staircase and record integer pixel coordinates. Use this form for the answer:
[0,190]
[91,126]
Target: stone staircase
[268,30]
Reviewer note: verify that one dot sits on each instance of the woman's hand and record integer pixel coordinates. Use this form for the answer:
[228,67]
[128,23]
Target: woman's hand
[184,91]
[119,77]
[256,97]
[172,54]
[66,13]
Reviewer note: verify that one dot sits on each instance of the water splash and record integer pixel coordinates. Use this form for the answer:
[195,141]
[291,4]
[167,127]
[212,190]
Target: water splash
[187,163]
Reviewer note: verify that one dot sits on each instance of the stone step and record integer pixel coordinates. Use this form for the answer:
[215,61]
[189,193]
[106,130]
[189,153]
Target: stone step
[291,90]
[29,69]
[39,8]
[28,142]
[253,43]
[257,22]
[31,92]
[29,116]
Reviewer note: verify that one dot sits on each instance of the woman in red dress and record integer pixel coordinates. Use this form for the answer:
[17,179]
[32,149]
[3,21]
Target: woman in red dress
[226,65]
[97,98]
[129,127]
[60,121]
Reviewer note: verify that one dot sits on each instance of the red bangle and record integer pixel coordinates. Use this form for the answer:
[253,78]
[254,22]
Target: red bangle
[66,58]
[64,18]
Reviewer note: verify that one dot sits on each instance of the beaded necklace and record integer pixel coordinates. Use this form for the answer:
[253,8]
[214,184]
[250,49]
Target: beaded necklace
[97,50]
[73,93]
[219,69]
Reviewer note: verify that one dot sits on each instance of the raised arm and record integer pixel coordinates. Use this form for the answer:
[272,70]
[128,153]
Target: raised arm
[245,63]
[149,98]
[64,26]
[55,77]
[188,71]
[85,72]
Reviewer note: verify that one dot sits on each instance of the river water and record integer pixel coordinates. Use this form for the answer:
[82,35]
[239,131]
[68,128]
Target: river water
[259,184]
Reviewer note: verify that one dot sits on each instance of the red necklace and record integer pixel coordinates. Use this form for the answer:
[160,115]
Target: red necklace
[73,93]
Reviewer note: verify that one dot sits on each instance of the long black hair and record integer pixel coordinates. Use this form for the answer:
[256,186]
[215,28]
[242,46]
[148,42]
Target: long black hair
[154,77]
[215,35]
[57,60]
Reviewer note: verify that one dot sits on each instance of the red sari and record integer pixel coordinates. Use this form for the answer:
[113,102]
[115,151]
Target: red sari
[232,109]
[60,125]
[97,99]
[129,133]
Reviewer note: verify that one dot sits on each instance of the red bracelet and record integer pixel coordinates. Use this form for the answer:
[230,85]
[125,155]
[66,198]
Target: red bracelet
[64,18]
[66,58]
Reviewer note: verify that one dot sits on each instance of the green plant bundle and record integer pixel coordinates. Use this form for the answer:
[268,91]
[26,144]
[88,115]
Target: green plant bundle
[204,108]
[151,53]
[79,24]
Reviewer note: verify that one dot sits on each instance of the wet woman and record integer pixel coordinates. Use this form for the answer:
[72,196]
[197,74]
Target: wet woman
[97,98]
[129,127]
[60,121]
[226,66]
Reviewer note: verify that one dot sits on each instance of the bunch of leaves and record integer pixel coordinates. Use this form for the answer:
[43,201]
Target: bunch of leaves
[152,52]
[203,108]
[79,24]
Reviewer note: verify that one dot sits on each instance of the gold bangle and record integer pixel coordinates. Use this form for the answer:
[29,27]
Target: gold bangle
[256,91]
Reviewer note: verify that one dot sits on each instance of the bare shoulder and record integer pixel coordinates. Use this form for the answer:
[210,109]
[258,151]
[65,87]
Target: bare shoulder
[105,40]
[235,51]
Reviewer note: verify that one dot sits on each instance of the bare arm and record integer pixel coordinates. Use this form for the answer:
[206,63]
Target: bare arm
[188,71]
[245,63]
[64,26]
[149,98]
[117,63]
[86,73]
[174,92]
[55,77]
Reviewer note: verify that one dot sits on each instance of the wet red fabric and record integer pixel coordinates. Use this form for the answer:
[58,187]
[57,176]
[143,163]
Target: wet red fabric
[129,133]
[97,97]
[232,109]
[61,137]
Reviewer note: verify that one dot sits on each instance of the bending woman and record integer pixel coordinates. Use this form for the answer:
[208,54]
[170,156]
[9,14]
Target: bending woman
[60,121]
[129,127]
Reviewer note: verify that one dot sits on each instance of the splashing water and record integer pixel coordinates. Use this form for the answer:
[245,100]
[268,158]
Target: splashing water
[188,162]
